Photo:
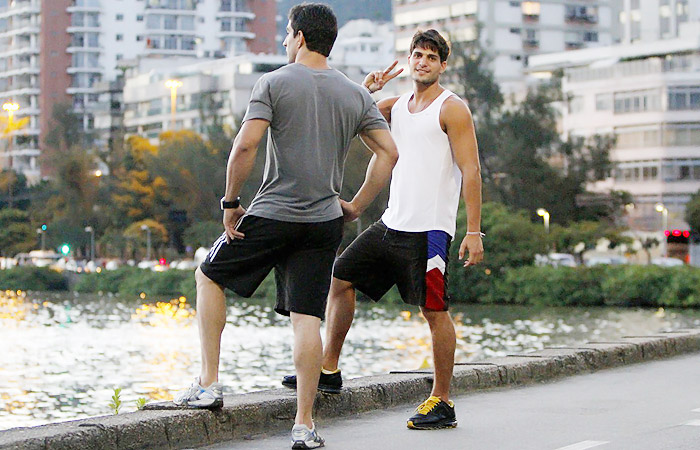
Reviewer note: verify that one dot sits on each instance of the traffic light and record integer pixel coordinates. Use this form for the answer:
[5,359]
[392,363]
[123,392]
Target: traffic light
[65,249]
[43,227]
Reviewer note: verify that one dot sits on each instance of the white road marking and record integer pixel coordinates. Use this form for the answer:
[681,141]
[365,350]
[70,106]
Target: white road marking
[696,410]
[693,423]
[583,445]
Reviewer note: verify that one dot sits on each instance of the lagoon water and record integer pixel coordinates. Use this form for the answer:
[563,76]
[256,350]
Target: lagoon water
[63,354]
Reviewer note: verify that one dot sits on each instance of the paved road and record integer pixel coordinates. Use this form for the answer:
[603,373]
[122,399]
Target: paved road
[651,406]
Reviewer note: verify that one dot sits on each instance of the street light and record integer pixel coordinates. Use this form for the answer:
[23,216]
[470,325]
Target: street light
[42,231]
[147,229]
[173,85]
[664,216]
[90,230]
[545,215]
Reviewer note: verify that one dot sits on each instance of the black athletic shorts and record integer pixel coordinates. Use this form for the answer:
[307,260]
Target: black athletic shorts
[415,262]
[302,255]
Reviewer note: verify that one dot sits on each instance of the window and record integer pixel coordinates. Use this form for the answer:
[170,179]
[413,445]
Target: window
[120,37]
[139,18]
[120,17]
[636,101]
[603,102]
[187,23]
[684,98]
[153,22]
[170,43]
[170,22]
[590,36]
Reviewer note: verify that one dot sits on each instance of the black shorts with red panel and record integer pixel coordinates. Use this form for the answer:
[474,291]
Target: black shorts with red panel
[416,262]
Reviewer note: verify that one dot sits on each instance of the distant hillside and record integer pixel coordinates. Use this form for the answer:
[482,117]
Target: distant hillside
[346,10]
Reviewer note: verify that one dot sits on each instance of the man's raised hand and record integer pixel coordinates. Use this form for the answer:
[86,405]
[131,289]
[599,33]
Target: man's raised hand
[375,81]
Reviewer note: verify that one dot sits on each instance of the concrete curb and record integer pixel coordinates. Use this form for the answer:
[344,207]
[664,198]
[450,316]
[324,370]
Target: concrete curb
[162,425]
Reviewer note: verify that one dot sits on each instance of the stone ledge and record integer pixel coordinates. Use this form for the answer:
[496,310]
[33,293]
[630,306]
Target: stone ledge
[162,425]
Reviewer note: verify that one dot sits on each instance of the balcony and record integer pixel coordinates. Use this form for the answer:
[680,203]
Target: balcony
[585,19]
[21,30]
[74,49]
[16,91]
[13,71]
[531,44]
[17,50]
[97,69]
[19,8]
[574,45]
[84,28]
[236,34]
[235,14]
[84,6]
[171,6]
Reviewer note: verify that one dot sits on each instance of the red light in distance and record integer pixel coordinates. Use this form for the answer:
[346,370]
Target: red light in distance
[676,232]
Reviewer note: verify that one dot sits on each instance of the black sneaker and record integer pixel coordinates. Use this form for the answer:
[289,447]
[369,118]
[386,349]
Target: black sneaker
[328,383]
[433,414]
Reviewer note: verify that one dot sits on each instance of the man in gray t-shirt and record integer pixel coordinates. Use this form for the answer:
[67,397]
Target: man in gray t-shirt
[294,223]
[313,116]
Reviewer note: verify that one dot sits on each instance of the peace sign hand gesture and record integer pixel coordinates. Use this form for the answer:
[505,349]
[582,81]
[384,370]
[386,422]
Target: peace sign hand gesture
[376,80]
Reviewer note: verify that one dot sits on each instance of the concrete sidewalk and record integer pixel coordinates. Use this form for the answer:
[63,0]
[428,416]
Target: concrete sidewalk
[165,426]
[651,406]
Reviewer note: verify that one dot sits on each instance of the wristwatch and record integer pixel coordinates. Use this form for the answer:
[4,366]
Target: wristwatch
[230,205]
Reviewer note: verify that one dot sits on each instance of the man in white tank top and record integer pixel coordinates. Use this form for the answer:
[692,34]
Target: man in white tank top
[409,246]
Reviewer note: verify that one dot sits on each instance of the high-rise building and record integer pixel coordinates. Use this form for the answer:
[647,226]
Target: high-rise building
[650,20]
[647,94]
[363,46]
[509,31]
[58,51]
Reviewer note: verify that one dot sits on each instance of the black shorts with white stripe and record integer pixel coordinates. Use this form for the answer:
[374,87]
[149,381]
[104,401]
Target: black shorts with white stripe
[302,255]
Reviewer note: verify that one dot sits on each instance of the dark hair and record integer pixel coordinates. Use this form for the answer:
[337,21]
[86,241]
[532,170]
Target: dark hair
[318,23]
[432,40]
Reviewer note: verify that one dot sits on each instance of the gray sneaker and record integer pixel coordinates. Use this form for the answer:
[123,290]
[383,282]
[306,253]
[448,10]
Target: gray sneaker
[302,437]
[198,397]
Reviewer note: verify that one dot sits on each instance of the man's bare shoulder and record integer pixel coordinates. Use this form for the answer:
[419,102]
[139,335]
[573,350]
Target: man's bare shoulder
[454,108]
[387,102]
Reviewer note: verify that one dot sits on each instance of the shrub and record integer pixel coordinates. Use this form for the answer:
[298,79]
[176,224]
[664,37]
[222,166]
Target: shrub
[33,278]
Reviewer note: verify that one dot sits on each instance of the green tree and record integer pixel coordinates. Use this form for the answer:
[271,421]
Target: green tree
[512,240]
[692,212]
[525,163]
[578,237]
[16,232]
[139,236]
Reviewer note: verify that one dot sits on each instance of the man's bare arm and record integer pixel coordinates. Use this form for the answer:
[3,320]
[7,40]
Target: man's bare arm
[240,163]
[457,122]
[385,106]
[383,160]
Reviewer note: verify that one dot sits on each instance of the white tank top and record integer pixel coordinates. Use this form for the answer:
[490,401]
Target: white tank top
[426,181]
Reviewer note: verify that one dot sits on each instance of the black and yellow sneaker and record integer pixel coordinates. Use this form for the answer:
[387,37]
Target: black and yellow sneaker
[330,383]
[433,414]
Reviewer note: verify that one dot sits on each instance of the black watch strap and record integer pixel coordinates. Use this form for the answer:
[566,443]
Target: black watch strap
[230,205]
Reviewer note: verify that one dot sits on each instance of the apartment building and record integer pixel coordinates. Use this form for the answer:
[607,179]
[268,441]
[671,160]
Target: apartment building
[651,20]
[648,95]
[363,46]
[59,51]
[218,87]
[510,31]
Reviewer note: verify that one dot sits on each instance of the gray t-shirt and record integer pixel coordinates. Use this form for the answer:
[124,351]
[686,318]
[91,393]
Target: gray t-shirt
[313,115]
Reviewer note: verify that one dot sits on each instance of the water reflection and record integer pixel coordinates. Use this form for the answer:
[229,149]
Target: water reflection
[64,354]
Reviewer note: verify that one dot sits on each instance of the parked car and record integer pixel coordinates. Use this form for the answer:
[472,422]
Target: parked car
[556,260]
[667,262]
[612,260]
